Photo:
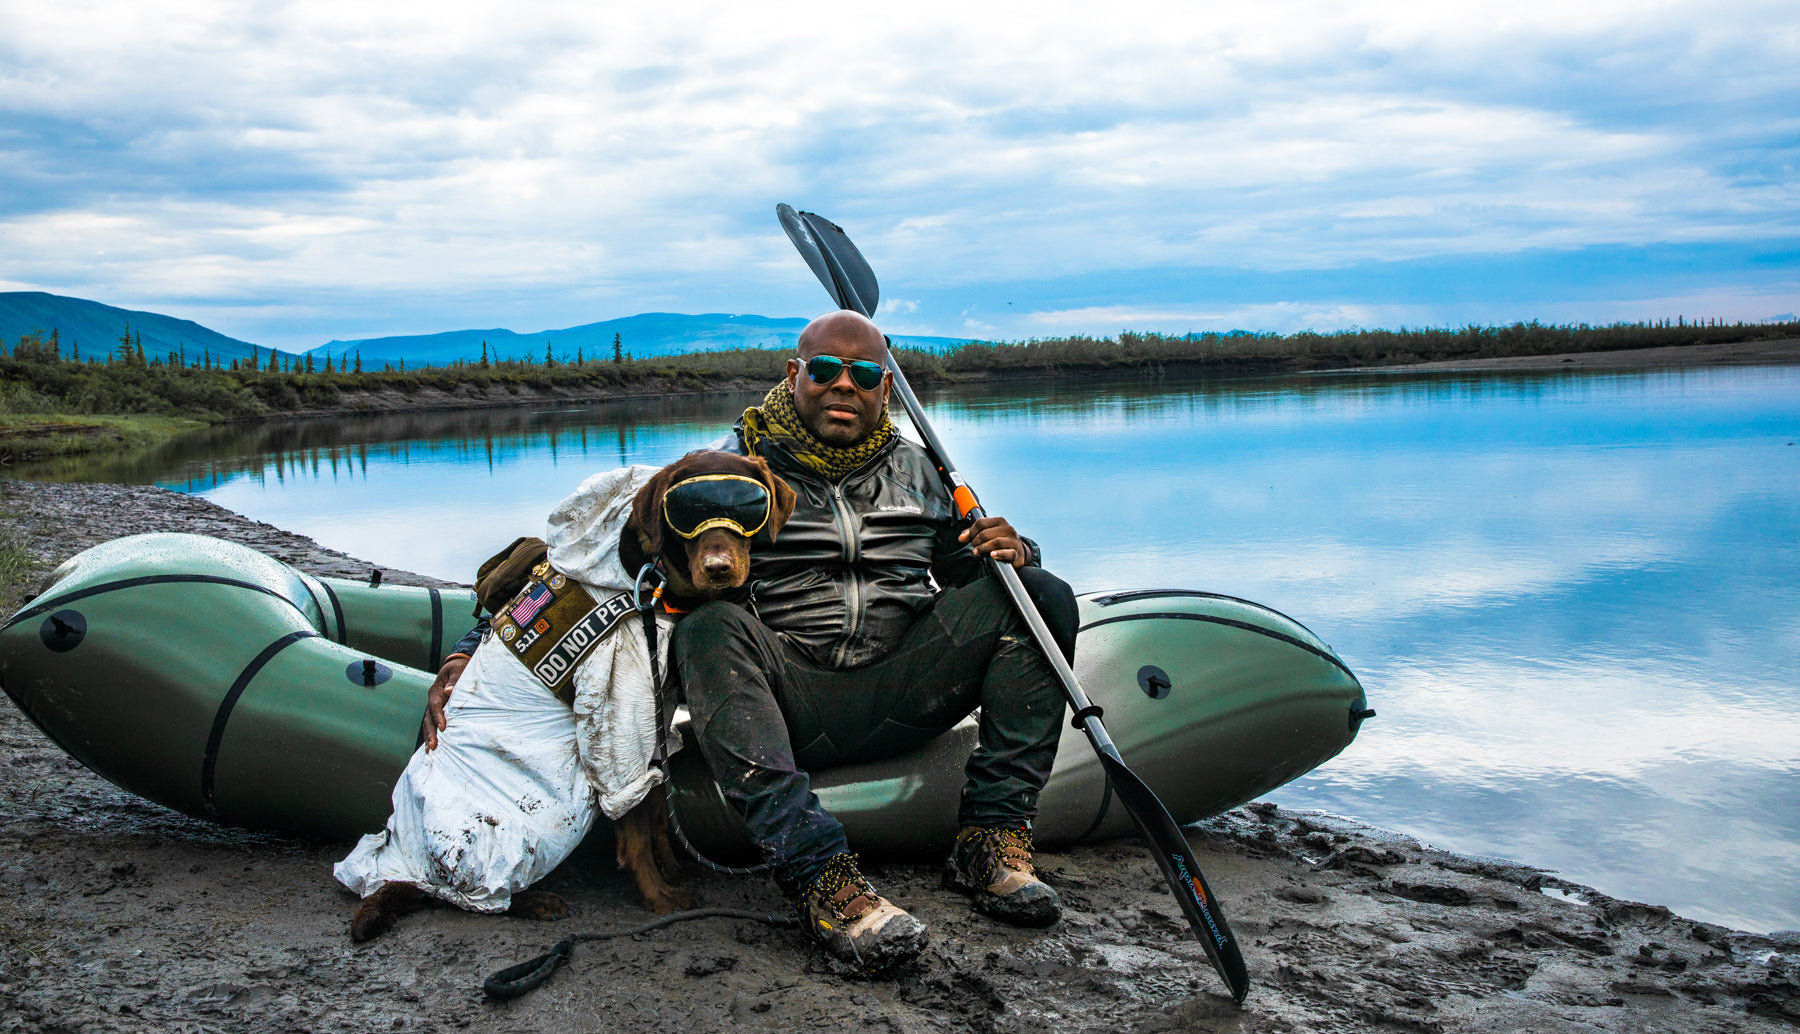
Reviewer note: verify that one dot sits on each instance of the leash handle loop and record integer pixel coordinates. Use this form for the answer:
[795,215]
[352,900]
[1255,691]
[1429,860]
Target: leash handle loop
[516,981]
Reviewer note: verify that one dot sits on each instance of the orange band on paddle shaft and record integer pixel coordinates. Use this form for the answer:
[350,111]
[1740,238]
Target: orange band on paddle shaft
[965,500]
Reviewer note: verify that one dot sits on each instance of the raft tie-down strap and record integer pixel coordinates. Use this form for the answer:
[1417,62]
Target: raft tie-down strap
[514,981]
[209,763]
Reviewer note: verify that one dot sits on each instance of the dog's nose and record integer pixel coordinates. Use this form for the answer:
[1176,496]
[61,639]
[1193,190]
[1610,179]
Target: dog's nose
[716,566]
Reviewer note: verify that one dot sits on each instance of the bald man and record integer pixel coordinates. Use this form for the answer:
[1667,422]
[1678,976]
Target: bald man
[871,626]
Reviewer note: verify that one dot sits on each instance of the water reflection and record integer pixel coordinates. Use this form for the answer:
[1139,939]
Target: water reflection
[1574,598]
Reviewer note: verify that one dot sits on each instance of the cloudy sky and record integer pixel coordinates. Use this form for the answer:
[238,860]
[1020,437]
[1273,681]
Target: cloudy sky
[294,173]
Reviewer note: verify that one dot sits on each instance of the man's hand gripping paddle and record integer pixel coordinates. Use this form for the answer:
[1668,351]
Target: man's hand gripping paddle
[844,272]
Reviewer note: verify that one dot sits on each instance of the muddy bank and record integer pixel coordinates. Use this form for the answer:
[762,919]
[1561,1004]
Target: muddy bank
[120,915]
[425,398]
[1741,353]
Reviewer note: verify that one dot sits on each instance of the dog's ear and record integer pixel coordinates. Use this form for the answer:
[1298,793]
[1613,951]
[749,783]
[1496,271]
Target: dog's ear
[781,497]
[646,510]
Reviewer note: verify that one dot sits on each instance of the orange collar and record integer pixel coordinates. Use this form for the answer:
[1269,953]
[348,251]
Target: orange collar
[668,608]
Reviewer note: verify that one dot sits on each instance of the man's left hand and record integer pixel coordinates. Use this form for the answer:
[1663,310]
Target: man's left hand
[994,537]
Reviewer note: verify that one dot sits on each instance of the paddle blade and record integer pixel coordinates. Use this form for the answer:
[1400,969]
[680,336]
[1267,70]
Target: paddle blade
[1182,870]
[834,260]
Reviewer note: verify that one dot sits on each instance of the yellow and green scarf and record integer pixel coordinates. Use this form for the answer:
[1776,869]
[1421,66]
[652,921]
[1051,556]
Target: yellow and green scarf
[776,420]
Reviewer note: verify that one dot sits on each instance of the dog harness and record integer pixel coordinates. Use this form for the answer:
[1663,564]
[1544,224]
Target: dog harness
[553,623]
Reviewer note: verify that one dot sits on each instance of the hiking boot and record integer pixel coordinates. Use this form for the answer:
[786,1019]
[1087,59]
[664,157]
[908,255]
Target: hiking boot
[993,866]
[842,912]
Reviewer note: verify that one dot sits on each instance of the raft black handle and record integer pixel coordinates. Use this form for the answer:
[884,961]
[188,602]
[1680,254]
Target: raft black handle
[369,671]
[375,578]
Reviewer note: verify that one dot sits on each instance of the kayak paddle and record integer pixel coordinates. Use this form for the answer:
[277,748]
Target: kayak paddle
[846,274]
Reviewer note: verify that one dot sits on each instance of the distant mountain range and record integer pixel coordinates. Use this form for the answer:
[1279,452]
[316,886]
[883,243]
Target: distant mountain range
[97,328]
[643,335]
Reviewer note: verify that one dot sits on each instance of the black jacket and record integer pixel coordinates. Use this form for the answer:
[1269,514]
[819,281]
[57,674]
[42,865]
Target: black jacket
[855,564]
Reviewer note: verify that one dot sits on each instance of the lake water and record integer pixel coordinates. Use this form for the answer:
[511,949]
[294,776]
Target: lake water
[1574,598]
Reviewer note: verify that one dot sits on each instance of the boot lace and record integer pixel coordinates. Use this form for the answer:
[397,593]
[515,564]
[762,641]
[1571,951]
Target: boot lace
[842,888]
[999,847]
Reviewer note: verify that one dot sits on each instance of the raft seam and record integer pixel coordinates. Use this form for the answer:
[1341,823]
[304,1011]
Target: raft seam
[209,763]
[1245,625]
[337,611]
[132,583]
[315,599]
[437,630]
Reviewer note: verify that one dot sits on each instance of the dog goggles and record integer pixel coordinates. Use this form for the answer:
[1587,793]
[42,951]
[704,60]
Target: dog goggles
[824,369]
[716,501]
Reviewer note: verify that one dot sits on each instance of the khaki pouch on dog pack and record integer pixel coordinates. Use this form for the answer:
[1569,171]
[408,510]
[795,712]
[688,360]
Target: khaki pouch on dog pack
[502,575]
[552,623]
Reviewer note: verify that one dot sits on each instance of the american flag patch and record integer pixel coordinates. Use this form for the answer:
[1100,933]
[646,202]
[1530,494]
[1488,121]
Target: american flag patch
[537,599]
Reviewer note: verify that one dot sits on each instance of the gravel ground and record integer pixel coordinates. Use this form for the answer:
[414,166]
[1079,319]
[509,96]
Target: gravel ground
[118,914]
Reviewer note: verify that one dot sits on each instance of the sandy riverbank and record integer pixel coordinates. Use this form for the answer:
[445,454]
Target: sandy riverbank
[121,915]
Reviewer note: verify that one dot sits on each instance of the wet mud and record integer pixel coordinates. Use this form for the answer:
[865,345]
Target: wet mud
[119,915]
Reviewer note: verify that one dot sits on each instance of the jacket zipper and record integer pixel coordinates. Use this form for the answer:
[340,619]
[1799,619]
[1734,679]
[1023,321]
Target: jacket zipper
[852,586]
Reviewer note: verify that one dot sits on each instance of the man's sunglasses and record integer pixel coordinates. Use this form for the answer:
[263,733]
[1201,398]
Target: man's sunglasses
[824,369]
[716,501]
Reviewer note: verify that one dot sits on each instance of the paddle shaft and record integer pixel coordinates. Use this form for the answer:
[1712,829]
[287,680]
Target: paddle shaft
[1173,854]
[846,274]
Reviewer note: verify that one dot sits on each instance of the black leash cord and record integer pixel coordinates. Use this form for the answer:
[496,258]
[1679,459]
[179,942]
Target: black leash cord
[646,606]
[694,852]
[514,981]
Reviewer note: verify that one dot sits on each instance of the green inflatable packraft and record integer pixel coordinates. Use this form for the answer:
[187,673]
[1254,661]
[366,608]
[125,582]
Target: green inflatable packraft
[222,683]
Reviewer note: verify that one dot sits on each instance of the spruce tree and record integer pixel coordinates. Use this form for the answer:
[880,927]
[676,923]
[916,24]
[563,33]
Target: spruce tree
[618,355]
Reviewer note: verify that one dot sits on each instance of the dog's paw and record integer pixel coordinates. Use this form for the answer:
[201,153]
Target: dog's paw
[668,899]
[369,923]
[380,910]
[539,905]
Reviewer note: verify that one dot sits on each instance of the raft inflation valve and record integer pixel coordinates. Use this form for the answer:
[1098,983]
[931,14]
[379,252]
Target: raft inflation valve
[1154,682]
[63,630]
[368,672]
[1360,714]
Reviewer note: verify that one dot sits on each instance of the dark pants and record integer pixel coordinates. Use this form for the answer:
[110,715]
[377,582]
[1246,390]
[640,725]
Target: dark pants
[764,713]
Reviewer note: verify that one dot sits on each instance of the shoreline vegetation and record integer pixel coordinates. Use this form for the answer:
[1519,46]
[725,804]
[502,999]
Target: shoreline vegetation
[54,404]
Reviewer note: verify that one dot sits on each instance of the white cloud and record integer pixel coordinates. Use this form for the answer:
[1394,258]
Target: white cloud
[484,157]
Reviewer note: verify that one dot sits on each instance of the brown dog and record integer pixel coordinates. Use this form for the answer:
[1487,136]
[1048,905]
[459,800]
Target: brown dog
[695,570]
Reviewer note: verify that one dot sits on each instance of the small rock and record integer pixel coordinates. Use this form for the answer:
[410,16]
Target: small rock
[1362,854]
[1302,895]
[706,967]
